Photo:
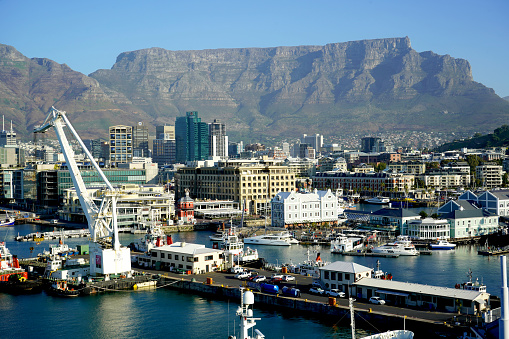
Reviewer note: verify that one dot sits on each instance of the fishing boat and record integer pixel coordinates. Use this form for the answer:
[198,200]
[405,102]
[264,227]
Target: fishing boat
[442,244]
[245,313]
[268,239]
[154,237]
[7,220]
[234,249]
[311,267]
[9,264]
[378,200]
[402,246]
[61,289]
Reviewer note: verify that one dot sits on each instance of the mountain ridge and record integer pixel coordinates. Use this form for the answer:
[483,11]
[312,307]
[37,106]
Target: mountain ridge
[361,86]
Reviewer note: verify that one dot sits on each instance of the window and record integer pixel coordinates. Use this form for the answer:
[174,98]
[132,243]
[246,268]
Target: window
[162,255]
[176,257]
[347,276]
[196,259]
[326,274]
[209,257]
[333,276]
[169,256]
[154,254]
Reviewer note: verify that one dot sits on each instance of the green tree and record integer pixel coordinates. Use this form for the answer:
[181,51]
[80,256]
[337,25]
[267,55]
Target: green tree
[423,214]
[505,180]
[435,216]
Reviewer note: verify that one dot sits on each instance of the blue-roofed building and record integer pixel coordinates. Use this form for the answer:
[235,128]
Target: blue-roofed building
[468,219]
[395,217]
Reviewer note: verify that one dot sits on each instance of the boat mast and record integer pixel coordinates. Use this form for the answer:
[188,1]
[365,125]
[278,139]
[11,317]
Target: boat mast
[503,329]
[352,316]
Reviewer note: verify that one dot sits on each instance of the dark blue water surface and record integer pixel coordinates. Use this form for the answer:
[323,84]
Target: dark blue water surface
[171,314]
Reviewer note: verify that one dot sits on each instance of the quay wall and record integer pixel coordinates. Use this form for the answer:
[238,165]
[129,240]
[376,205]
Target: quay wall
[323,311]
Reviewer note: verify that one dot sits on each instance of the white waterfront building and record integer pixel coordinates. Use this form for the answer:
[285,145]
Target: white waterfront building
[296,208]
[429,229]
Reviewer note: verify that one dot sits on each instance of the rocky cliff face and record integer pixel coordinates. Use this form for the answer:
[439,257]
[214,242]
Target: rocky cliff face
[358,86]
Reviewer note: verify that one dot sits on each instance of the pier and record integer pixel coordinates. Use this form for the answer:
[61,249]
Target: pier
[41,236]
[220,285]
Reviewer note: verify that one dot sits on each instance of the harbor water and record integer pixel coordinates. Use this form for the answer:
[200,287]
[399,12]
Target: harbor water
[167,313]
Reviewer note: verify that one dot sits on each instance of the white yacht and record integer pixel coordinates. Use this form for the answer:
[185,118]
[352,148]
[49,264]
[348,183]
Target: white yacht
[268,239]
[287,235]
[402,246]
[378,200]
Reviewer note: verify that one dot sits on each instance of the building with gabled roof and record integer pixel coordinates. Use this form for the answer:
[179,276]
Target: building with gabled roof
[297,208]
[468,219]
[495,201]
[425,296]
[342,274]
[186,257]
[397,217]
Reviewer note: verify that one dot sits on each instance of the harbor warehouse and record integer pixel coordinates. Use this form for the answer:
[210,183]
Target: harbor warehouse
[342,274]
[422,296]
[186,257]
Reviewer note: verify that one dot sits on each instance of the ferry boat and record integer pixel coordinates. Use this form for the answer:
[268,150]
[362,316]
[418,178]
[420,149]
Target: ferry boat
[442,244]
[268,239]
[402,246]
[344,244]
[378,200]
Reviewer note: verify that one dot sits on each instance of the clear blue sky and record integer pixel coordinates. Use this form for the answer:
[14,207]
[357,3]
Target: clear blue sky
[89,35]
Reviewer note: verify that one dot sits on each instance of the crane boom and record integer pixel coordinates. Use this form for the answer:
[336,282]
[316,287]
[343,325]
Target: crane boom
[102,220]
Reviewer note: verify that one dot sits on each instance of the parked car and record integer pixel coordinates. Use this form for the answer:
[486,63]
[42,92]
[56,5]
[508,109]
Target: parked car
[236,269]
[334,292]
[317,283]
[316,290]
[377,301]
[242,275]
[259,278]
[276,276]
[288,278]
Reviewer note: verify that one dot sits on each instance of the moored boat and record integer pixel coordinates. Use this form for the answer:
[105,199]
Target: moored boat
[234,249]
[61,289]
[268,239]
[378,200]
[442,244]
[402,246]
[7,220]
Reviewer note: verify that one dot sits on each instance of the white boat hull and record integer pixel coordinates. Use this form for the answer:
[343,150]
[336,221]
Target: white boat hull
[253,241]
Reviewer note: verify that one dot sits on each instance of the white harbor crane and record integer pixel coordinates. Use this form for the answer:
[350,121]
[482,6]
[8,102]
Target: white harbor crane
[106,255]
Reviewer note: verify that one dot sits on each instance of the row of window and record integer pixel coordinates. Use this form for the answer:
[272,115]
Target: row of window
[336,276]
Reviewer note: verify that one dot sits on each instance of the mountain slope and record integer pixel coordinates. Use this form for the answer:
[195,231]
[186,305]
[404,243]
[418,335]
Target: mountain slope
[352,87]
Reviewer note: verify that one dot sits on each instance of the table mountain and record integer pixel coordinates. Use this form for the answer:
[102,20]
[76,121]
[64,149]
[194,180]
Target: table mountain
[359,86]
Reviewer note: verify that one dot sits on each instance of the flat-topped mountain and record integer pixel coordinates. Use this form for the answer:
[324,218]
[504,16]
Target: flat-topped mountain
[359,86]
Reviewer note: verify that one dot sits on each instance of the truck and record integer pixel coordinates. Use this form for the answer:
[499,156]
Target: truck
[269,288]
[291,292]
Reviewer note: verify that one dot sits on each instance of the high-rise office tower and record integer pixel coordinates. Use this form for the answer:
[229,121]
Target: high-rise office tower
[140,140]
[121,144]
[191,137]
[163,147]
[218,139]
